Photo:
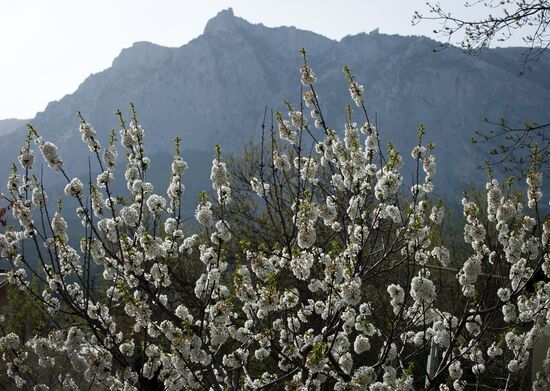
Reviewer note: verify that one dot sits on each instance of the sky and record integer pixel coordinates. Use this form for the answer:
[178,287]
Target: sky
[48,47]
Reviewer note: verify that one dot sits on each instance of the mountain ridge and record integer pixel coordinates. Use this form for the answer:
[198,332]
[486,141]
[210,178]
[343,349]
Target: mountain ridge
[10,125]
[214,90]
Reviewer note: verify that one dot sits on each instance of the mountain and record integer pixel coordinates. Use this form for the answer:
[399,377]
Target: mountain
[11,125]
[215,90]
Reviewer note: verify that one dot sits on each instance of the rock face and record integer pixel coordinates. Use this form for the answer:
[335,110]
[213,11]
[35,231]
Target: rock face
[215,90]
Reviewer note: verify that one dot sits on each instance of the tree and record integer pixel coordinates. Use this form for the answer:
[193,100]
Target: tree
[499,20]
[515,149]
[339,279]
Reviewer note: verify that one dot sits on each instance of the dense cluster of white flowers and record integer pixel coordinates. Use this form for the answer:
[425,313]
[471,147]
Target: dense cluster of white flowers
[74,188]
[306,75]
[356,92]
[156,203]
[51,155]
[203,214]
[89,136]
[354,284]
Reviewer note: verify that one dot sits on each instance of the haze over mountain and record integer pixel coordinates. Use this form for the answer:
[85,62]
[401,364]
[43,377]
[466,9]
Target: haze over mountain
[215,89]
[11,125]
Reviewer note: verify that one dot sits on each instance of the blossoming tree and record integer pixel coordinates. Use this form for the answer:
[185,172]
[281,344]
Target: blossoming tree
[342,282]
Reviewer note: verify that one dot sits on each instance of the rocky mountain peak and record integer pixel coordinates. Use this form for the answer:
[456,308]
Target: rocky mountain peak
[225,21]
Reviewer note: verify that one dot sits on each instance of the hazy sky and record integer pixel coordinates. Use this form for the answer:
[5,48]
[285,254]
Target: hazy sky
[48,47]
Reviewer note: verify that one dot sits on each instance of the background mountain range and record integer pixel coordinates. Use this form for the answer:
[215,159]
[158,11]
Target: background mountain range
[11,125]
[215,90]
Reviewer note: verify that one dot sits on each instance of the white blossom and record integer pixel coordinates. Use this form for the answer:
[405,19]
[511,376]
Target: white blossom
[51,155]
[156,203]
[74,188]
